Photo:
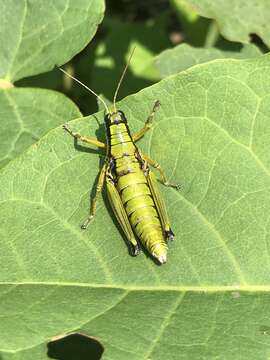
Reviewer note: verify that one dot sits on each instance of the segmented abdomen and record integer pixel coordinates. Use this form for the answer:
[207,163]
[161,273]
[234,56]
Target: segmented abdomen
[132,185]
[140,207]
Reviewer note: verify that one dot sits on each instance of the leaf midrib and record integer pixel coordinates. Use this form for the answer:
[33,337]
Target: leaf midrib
[130,288]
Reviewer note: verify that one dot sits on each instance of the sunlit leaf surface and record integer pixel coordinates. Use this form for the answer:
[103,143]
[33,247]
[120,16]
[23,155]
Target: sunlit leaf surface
[211,300]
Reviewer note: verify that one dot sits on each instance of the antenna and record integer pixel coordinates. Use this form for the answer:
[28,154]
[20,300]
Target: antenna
[86,87]
[122,77]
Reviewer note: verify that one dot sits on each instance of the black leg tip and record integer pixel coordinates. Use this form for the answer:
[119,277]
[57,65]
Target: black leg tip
[135,250]
[169,235]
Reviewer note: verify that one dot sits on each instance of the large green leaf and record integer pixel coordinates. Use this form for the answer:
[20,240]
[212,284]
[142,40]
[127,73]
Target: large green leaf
[211,300]
[183,56]
[237,19]
[27,114]
[37,35]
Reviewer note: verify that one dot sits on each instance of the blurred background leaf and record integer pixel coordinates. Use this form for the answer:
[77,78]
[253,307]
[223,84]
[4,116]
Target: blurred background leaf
[237,20]
[38,35]
[34,37]
[153,26]
[183,56]
[28,114]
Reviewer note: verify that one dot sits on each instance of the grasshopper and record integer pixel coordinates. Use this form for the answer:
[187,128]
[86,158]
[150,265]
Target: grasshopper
[131,186]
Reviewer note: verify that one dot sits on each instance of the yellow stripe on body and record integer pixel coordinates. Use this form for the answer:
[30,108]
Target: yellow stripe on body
[119,149]
[127,163]
[140,214]
[148,225]
[130,179]
[135,190]
[119,134]
[138,202]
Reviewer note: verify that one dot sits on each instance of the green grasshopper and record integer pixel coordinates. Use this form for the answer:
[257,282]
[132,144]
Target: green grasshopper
[131,186]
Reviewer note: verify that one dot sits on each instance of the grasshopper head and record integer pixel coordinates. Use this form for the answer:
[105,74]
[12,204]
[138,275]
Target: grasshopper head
[115,118]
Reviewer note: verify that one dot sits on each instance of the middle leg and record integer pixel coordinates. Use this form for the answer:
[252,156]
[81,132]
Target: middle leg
[93,207]
[163,179]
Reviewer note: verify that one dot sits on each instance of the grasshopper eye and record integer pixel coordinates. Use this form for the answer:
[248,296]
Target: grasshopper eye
[122,115]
